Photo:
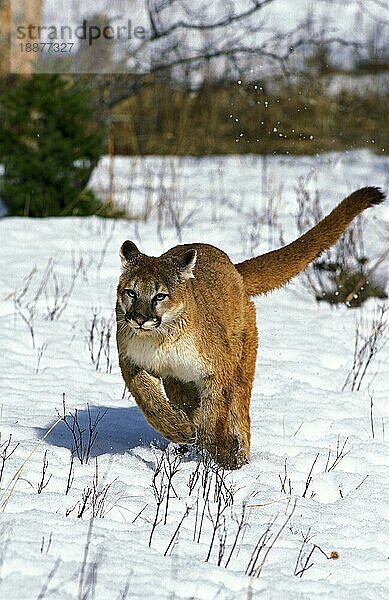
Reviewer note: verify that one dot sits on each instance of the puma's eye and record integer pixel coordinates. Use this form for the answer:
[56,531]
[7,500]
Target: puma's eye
[130,293]
[160,297]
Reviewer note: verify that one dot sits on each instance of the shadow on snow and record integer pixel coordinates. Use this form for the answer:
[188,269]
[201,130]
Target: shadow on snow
[118,430]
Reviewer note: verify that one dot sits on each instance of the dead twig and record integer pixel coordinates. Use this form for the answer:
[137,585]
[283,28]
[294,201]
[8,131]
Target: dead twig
[339,455]
[369,340]
[44,479]
[309,477]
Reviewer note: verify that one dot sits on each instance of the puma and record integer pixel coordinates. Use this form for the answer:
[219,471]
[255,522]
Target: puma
[187,336]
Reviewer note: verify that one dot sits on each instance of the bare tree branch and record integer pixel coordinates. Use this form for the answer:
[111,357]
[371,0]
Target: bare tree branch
[226,21]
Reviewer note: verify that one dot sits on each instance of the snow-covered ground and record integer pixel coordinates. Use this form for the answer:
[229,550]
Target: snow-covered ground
[58,277]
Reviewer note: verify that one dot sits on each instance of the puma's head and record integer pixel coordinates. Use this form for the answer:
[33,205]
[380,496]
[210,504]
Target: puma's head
[151,291]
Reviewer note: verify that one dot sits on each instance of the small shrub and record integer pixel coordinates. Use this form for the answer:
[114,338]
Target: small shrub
[349,284]
[49,148]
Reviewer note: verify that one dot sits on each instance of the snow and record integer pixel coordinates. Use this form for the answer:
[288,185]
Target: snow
[299,411]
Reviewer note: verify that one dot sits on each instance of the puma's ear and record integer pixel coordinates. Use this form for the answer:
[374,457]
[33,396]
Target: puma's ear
[185,263]
[128,252]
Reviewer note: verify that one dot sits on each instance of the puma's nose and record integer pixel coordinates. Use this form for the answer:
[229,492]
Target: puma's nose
[140,319]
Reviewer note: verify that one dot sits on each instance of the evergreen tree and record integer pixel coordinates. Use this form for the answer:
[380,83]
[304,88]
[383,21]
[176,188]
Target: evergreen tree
[49,148]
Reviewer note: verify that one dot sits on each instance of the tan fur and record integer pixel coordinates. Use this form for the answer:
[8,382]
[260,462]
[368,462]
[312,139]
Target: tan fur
[187,336]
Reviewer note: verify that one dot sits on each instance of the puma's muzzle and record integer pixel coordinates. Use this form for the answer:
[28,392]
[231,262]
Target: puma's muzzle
[142,322]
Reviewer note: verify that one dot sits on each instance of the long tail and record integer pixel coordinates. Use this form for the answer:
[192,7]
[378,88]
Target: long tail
[272,270]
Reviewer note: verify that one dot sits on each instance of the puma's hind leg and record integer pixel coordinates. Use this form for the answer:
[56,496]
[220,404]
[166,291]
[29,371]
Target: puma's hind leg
[239,414]
[226,435]
[229,440]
